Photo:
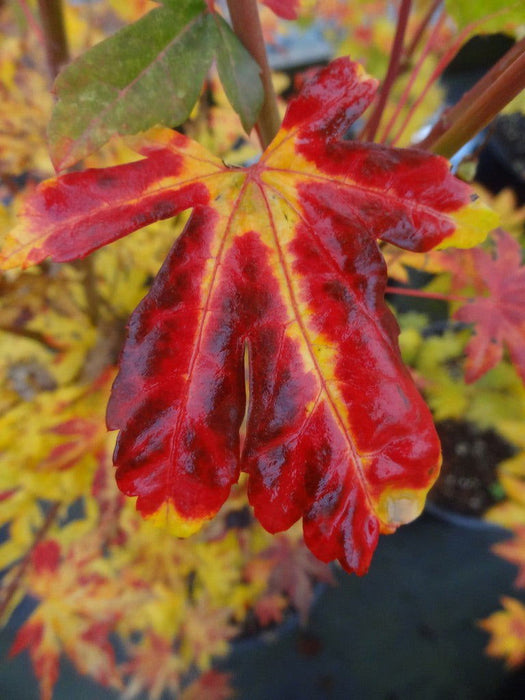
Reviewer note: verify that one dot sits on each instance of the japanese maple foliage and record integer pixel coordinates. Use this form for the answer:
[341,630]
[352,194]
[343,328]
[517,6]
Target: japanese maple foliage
[278,271]
[499,318]
[86,637]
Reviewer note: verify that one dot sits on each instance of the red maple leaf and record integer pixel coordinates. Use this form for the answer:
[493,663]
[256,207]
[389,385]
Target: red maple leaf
[499,318]
[277,270]
[287,9]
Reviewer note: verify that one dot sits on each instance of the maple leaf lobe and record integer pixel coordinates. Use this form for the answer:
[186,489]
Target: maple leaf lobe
[69,217]
[499,319]
[161,344]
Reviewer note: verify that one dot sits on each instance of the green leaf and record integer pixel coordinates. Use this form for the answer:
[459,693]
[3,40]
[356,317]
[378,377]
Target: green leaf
[507,15]
[239,74]
[148,73]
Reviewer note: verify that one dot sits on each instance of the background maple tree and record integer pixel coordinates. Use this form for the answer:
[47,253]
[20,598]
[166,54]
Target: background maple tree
[75,545]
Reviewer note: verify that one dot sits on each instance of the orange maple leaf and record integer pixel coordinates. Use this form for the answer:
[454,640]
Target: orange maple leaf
[507,628]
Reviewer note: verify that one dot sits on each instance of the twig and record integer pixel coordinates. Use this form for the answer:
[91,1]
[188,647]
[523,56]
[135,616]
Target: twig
[37,336]
[480,105]
[405,291]
[436,74]
[31,21]
[412,46]
[370,129]
[413,76]
[52,17]
[86,267]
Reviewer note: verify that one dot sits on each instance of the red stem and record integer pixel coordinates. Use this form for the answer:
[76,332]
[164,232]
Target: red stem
[409,51]
[31,21]
[52,18]
[442,65]
[370,130]
[480,105]
[413,76]
[404,291]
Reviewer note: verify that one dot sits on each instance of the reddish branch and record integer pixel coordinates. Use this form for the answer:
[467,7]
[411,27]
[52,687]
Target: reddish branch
[32,23]
[405,291]
[418,34]
[436,74]
[413,77]
[370,130]
[52,18]
[480,105]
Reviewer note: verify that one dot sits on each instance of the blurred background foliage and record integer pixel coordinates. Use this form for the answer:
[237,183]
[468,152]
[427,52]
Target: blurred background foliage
[132,608]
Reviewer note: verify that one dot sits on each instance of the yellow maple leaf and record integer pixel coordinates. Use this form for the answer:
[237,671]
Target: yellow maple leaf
[507,629]
[56,459]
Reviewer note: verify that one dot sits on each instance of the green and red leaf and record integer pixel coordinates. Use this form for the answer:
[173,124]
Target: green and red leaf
[160,61]
[270,311]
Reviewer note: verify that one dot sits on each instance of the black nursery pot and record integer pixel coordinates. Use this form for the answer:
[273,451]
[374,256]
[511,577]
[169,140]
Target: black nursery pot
[468,483]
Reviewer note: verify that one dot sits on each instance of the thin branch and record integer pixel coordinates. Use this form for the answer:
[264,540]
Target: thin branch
[480,105]
[32,22]
[413,77]
[246,24]
[414,43]
[87,269]
[370,129]
[443,64]
[37,336]
[405,291]
[52,18]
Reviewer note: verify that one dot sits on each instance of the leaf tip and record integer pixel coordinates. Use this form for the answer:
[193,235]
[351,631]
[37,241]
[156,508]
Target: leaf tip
[400,506]
[64,153]
[473,223]
[168,518]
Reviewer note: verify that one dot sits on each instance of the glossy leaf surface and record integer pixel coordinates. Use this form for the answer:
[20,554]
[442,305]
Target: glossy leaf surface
[265,344]
[104,91]
[499,318]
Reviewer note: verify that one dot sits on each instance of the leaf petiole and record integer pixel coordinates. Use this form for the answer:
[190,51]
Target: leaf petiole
[52,18]
[479,105]
[407,292]
[370,130]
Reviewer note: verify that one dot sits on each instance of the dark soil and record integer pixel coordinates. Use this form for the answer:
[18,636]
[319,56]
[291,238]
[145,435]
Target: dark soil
[468,483]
